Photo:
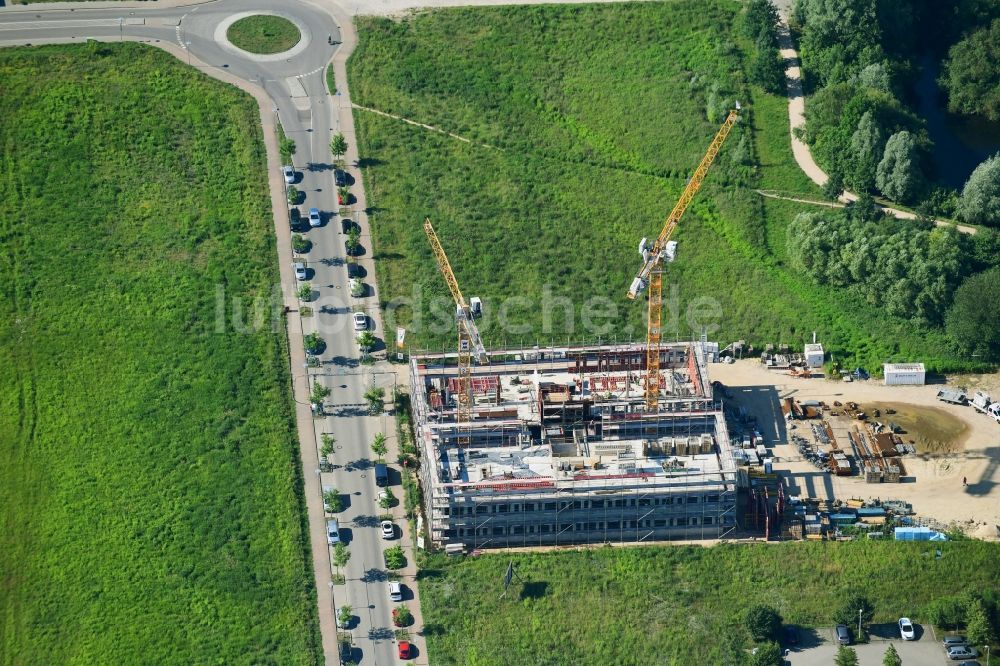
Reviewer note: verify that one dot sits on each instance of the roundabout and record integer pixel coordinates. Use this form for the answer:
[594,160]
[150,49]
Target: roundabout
[263,34]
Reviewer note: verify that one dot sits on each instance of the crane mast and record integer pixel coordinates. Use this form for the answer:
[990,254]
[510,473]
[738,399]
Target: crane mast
[651,273]
[469,342]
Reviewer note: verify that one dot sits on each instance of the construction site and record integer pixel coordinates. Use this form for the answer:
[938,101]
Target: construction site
[584,444]
[559,448]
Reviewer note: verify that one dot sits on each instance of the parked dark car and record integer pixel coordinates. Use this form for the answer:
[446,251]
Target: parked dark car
[339,177]
[843,634]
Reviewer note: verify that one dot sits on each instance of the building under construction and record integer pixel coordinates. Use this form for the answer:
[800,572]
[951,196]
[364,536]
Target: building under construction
[559,446]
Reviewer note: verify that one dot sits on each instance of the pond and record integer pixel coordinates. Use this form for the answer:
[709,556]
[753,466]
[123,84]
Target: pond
[960,142]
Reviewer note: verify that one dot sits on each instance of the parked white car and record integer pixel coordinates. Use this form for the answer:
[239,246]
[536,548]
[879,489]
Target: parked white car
[388,530]
[300,271]
[288,172]
[360,321]
[395,591]
[332,532]
[906,630]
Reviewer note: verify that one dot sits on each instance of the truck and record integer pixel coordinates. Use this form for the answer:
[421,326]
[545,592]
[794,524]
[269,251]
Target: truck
[993,411]
[981,401]
[952,396]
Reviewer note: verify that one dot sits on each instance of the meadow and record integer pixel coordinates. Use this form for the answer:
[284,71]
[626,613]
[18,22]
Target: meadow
[583,124]
[149,479]
[676,605]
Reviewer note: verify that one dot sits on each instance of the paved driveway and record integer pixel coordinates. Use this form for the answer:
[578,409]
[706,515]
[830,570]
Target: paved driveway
[818,647]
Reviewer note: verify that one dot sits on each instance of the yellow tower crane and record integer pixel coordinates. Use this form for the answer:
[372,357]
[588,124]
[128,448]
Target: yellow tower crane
[469,343]
[651,273]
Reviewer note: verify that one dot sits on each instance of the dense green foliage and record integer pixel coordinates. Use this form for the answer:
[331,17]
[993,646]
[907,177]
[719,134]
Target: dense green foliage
[906,269]
[677,604]
[148,461]
[855,608]
[767,654]
[899,175]
[845,656]
[974,318]
[767,69]
[971,75]
[263,33]
[599,114]
[980,200]
[891,657]
[763,622]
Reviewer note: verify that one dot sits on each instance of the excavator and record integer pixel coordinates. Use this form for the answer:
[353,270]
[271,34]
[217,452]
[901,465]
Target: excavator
[663,251]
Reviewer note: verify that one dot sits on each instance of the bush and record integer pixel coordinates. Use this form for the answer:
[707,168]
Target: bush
[401,616]
[845,656]
[891,657]
[301,244]
[947,612]
[305,292]
[293,195]
[763,622]
[978,625]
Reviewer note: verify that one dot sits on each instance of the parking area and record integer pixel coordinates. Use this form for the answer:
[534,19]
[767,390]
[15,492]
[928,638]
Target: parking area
[819,647]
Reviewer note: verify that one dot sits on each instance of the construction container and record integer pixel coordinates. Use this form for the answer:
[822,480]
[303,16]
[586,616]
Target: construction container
[681,444]
[694,446]
[707,443]
[843,518]
[814,355]
[918,534]
[892,474]
[902,374]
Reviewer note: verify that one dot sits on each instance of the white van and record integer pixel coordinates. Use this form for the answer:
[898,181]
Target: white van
[395,591]
[332,532]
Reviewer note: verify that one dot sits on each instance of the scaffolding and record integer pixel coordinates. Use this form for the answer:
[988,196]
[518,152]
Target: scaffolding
[600,467]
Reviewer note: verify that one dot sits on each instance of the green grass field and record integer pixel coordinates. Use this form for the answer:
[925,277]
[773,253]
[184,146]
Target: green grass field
[149,483]
[584,123]
[675,605]
[264,34]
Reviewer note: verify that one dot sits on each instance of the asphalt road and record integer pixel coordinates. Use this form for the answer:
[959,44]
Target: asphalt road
[295,84]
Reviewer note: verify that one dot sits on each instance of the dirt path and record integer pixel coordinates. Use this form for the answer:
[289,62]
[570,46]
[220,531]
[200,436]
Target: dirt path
[936,491]
[797,120]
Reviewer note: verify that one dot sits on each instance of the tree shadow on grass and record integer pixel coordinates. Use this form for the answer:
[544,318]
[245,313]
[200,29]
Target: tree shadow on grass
[535,590]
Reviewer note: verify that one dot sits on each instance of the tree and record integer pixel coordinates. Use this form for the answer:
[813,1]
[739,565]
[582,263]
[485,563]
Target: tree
[760,16]
[401,616]
[344,195]
[767,69]
[974,317]
[293,195]
[898,175]
[846,656]
[767,654]
[287,148]
[848,613]
[388,499]
[376,399]
[980,200]
[366,340]
[313,342]
[305,292]
[867,144]
[763,622]
[326,447]
[301,244]
[319,392]
[340,555]
[338,145]
[353,241]
[971,76]
[332,501]
[977,623]
[344,615]
[378,446]
[394,558]
[947,612]
[876,76]
[891,657]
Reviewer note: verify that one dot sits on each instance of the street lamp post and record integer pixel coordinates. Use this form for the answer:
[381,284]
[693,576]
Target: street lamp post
[987,654]
[859,623]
